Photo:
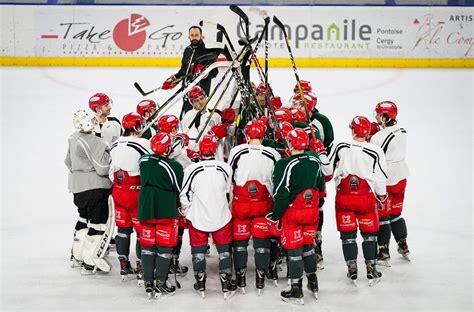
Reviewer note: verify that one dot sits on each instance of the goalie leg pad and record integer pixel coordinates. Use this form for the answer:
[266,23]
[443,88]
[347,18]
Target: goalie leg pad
[78,244]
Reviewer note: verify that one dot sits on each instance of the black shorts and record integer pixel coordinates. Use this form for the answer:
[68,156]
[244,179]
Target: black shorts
[93,205]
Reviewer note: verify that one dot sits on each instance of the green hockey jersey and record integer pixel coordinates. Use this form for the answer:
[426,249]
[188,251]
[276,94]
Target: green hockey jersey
[160,180]
[291,176]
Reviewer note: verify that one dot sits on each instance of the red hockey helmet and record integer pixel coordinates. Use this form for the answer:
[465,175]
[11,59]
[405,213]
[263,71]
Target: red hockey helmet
[228,115]
[283,114]
[387,107]
[195,93]
[285,128]
[133,120]
[297,139]
[98,100]
[261,88]
[146,106]
[276,102]
[305,85]
[208,145]
[167,123]
[255,130]
[360,126]
[161,143]
[311,100]
[298,115]
[264,121]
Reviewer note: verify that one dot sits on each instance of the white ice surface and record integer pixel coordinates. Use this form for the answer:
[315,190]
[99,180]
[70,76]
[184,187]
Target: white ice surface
[38,216]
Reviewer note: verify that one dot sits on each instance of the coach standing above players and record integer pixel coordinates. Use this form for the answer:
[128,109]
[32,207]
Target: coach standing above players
[192,63]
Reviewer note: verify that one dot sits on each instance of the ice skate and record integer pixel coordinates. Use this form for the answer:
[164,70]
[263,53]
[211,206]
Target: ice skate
[178,269]
[228,286]
[293,293]
[200,284]
[313,284]
[383,256]
[139,273]
[89,269]
[260,281]
[372,274]
[403,249]
[273,273]
[164,288]
[75,263]
[126,269]
[352,272]
[240,280]
[150,289]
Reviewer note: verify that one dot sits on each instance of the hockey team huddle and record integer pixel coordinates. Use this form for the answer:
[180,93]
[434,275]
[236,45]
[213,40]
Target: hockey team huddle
[261,180]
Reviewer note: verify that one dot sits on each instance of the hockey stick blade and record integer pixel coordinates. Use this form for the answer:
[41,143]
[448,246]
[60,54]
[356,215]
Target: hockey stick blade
[239,12]
[262,13]
[137,86]
[280,25]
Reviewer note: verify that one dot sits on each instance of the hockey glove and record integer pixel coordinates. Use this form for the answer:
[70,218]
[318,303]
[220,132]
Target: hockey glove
[193,155]
[228,115]
[220,131]
[383,202]
[169,83]
[183,138]
[273,226]
[317,146]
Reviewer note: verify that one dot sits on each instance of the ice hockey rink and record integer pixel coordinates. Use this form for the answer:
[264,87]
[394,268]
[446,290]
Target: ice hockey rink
[38,216]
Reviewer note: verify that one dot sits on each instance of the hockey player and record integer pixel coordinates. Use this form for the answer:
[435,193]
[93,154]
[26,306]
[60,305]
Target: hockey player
[205,206]
[125,175]
[88,163]
[252,166]
[170,124]
[359,170]
[108,128]
[147,109]
[393,141]
[324,132]
[160,179]
[194,120]
[298,181]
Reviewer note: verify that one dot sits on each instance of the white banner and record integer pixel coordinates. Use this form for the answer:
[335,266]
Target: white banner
[314,32]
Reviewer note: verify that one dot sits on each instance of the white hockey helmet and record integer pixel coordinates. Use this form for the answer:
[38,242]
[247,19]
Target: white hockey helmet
[84,120]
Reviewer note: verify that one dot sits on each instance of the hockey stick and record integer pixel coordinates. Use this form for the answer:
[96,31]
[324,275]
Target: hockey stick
[185,89]
[214,109]
[295,70]
[143,93]
[234,8]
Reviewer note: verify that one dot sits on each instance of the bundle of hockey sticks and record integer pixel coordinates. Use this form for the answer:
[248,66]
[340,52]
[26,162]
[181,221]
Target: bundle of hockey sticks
[239,65]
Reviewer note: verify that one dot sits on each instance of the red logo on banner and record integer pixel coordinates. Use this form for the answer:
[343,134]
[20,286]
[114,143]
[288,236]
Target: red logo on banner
[129,34]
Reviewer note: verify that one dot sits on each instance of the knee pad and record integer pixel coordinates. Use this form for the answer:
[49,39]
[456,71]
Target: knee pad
[260,228]
[241,229]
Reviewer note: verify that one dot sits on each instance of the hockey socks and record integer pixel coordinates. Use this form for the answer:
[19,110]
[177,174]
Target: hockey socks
[122,241]
[309,258]
[349,245]
[148,263]
[240,254]
[199,258]
[225,262]
[369,246]
[262,248]
[295,264]
[383,235]
[162,262]
[399,227]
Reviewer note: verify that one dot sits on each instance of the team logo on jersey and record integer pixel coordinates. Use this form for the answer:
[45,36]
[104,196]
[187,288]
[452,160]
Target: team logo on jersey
[346,219]
[297,235]
[241,228]
[146,233]
[129,34]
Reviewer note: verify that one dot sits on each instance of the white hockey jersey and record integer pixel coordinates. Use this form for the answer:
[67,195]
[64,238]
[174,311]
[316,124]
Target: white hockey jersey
[125,154]
[253,162]
[363,159]
[204,194]
[179,154]
[393,141]
[193,131]
[110,130]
